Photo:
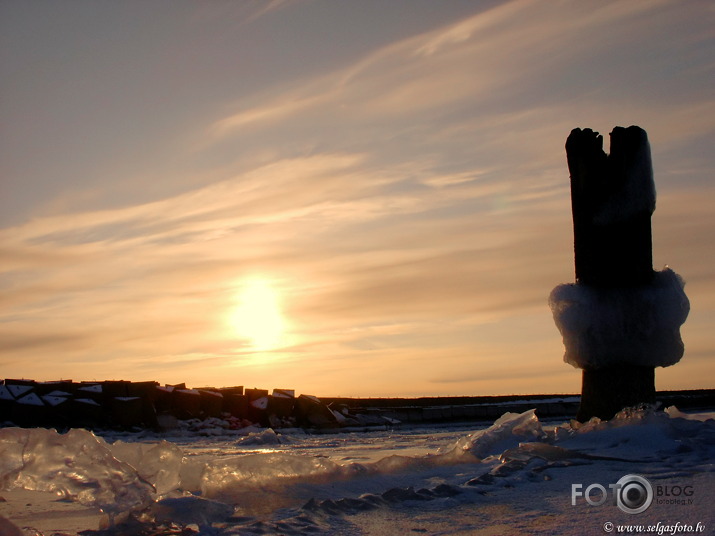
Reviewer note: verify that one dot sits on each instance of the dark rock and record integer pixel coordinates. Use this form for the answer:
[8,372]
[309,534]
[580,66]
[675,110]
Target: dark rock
[310,411]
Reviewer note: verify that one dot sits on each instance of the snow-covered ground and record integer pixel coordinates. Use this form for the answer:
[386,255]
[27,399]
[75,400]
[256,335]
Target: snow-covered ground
[518,476]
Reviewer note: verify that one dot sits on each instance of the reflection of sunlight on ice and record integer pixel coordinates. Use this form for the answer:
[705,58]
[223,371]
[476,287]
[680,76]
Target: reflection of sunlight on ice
[258,316]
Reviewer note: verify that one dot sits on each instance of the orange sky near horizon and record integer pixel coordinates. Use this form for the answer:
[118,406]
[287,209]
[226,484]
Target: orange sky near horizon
[346,199]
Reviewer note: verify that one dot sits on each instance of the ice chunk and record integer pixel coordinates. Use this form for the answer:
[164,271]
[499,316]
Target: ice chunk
[506,432]
[12,447]
[249,480]
[674,412]
[640,326]
[264,470]
[641,434]
[158,464]
[264,437]
[77,465]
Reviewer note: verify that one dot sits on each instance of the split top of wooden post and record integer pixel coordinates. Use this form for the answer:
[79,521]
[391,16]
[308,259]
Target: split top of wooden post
[612,199]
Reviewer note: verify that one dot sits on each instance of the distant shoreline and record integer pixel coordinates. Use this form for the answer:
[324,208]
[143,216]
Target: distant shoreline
[706,396]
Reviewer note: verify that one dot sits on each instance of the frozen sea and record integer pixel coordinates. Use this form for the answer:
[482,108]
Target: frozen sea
[515,476]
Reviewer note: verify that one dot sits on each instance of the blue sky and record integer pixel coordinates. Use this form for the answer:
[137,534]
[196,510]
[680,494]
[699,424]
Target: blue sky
[393,171]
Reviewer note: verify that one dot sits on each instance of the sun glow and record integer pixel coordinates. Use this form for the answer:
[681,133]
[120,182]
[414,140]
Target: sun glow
[258,316]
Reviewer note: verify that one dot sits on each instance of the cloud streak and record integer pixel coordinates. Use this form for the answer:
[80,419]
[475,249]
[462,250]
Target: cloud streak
[411,207]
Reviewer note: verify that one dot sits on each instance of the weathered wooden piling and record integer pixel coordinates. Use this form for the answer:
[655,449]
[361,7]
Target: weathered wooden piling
[613,252]
[621,319]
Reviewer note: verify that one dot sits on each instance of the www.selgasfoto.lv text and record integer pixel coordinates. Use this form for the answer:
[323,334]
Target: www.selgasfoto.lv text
[659,528]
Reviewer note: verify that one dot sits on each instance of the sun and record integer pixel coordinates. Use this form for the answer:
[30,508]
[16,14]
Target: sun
[258,316]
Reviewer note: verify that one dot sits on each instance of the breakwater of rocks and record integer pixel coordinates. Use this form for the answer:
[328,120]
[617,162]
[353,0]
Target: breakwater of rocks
[126,404]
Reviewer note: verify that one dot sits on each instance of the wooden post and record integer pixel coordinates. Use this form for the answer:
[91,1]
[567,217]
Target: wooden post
[612,200]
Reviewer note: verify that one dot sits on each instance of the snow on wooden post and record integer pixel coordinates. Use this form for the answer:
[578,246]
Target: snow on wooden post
[620,319]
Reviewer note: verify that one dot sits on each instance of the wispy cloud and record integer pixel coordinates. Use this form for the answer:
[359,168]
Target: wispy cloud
[412,209]
[485,59]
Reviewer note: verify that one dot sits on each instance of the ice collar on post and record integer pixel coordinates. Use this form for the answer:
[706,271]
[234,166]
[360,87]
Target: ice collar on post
[636,326]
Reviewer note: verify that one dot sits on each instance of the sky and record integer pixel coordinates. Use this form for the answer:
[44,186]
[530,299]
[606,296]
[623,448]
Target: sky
[343,198]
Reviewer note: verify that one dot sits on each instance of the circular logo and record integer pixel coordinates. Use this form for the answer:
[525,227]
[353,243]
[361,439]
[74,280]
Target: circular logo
[633,494]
